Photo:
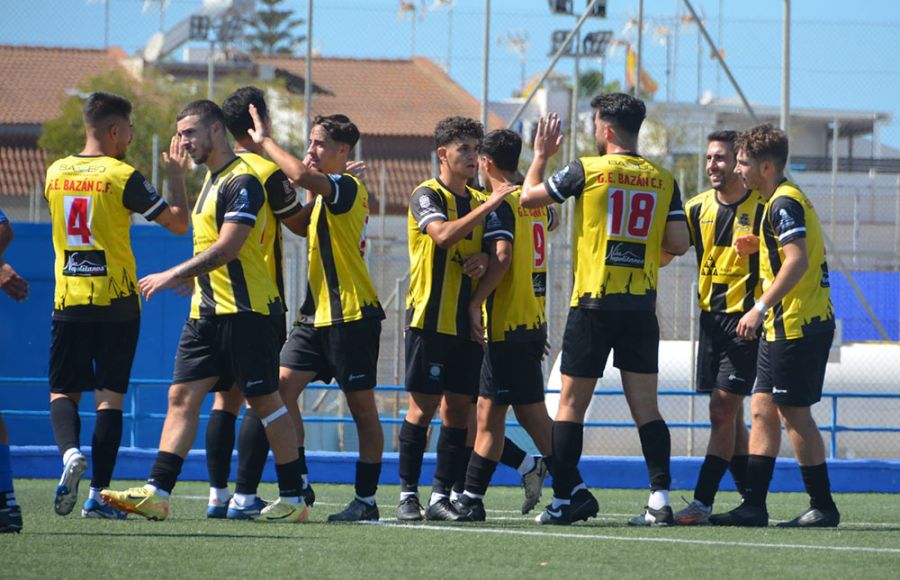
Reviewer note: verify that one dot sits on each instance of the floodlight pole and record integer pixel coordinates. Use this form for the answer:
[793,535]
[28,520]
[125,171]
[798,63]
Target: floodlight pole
[786,71]
[640,51]
[556,57]
[307,85]
[211,71]
[486,63]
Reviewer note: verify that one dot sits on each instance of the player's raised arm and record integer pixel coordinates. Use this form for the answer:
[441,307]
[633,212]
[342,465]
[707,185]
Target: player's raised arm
[177,216]
[547,142]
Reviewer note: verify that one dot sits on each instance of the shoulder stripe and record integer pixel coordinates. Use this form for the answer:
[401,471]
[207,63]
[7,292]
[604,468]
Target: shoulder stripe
[554,191]
[150,212]
[791,233]
[287,209]
[240,214]
[498,233]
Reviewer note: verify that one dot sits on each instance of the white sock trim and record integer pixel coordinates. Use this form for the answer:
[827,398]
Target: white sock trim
[527,465]
[370,500]
[658,499]
[472,495]
[243,500]
[277,414]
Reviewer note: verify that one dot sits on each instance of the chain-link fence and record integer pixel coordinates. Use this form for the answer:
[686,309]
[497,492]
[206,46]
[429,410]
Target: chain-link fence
[854,181]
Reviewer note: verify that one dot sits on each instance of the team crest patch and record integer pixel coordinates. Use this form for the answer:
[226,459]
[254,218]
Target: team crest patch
[785,221]
[744,219]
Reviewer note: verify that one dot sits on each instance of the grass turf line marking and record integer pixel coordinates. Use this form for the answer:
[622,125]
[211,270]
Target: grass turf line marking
[632,539]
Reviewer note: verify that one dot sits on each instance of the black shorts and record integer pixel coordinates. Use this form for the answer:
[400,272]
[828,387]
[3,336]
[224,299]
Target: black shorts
[511,373]
[437,362]
[238,348]
[793,371]
[85,356]
[346,351]
[724,360]
[632,336]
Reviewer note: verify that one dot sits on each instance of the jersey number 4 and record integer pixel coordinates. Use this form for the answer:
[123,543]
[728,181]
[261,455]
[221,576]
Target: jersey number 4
[78,220]
[630,213]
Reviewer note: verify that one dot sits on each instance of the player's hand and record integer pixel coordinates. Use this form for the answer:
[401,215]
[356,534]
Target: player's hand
[548,138]
[177,161]
[498,194]
[475,265]
[749,324]
[746,245]
[356,168]
[259,132]
[150,285]
[184,288]
[476,327]
[14,285]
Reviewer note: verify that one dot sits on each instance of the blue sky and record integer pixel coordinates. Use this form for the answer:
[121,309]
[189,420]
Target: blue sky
[840,59]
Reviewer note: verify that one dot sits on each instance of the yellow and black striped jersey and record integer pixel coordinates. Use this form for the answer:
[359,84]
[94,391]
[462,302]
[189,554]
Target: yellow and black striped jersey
[806,309]
[623,203]
[439,292]
[91,200]
[727,282]
[515,310]
[233,194]
[339,283]
[281,203]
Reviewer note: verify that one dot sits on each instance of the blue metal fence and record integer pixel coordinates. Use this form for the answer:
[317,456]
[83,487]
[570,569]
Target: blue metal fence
[135,416]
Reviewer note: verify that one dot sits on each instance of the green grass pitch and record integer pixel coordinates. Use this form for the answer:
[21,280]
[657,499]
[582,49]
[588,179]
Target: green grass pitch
[508,545]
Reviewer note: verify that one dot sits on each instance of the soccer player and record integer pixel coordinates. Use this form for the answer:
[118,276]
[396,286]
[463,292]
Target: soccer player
[343,339]
[728,284]
[17,288]
[231,335]
[512,293]
[627,210]
[282,207]
[96,311]
[446,227]
[797,321]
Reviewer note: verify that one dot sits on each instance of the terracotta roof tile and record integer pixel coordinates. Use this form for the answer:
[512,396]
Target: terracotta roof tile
[21,167]
[33,80]
[385,97]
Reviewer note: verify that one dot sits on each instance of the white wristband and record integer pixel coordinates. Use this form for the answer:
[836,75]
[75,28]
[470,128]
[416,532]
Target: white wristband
[760,307]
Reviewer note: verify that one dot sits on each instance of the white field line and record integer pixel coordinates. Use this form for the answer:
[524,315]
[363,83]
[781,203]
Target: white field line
[739,544]
[530,516]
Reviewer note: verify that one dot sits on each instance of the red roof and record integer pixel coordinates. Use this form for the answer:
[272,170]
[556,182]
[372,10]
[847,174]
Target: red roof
[21,167]
[34,80]
[384,97]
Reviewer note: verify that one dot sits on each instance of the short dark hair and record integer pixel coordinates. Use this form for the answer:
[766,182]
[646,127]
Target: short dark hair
[456,128]
[339,127]
[503,147]
[764,143]
[236,109]
[624,112]
[208,111]
[100,107]
[725,136]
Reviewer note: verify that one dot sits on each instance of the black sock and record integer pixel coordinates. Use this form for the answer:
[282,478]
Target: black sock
[479,473]
[738,468]
[166,470]
[253,450]
[451,443]
[548,461]
[105,446]
[815,480]
[512,455]
[66,423]
[412,446]
[460,469]
[657,448]
[367,475]
[711,473]
[219,447]
[301,452]
[759,475]
[289,481]
[568,440]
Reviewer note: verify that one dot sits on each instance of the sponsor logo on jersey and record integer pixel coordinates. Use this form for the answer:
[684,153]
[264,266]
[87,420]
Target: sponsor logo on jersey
[85,263]
[625,254]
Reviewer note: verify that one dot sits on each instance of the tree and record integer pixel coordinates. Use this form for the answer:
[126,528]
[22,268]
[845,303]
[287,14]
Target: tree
[271,29]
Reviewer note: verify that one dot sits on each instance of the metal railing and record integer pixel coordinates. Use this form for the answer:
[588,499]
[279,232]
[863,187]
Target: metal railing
[133,413]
